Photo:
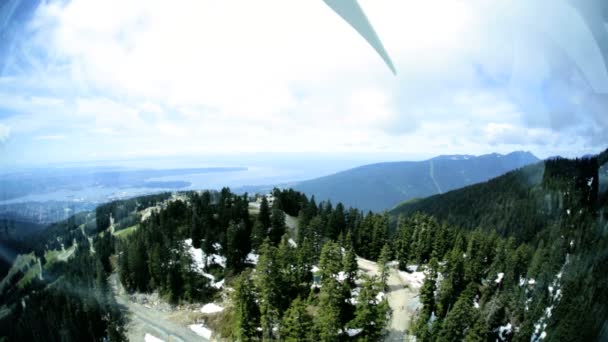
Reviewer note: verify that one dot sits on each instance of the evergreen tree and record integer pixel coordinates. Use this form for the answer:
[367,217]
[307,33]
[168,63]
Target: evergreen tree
[328,319]
[297,323]
[372,314]
[238,245]
[330,261]
[258,234]
[270,286]
[264,213]
[196,231]
[277,226]
[303,266]
[247,315]
[349,265]
[331,298]
[459,319]
[403,241]
[383,267]
[429,286]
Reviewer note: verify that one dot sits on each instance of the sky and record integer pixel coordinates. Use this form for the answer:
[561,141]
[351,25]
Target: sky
[84,81]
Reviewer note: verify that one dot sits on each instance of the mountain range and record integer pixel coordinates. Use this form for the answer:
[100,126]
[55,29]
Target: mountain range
[381,186]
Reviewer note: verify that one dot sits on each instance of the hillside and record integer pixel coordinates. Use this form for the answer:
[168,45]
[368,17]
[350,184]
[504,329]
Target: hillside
[528,255]
[381,186]
[518,203]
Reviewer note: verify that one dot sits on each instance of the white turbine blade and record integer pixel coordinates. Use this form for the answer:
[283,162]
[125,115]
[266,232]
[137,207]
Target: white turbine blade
[352,13]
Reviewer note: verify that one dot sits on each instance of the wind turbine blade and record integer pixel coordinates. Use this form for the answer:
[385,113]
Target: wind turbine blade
[352,13]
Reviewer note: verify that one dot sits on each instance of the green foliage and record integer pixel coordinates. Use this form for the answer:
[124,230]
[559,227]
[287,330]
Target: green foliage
[372,314]
[277,226]
[296,323]
[247,312]
[72,302]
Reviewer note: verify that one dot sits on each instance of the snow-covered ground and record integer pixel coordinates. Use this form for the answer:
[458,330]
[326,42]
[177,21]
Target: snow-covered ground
[413,279]
[201,330]
[152,338]
[402,296]
[252,258]
[211,308]
[198,260]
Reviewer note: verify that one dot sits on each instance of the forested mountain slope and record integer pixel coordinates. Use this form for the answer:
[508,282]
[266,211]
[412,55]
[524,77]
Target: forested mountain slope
[519,203]
[522,257]
[381,186]
[526,260]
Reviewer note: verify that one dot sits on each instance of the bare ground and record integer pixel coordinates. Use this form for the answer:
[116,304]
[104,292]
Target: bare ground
[163,322]
[402,298]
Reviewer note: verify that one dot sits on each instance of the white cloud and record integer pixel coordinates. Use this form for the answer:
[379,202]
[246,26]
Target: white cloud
[50,137]
[205,76]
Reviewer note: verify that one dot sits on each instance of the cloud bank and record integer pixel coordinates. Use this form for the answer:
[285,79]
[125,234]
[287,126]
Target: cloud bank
[117,79]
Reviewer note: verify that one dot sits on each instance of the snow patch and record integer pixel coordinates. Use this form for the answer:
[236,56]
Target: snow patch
[499,278]
[201,330]
[219,284]
[152,338]
[504,331]
[197,255]
[353,332]
[211,308]
[198,258]
[208,276]
[314,269]
[412,268]
[413,279]
[252,258]
[217,259]
[558,294]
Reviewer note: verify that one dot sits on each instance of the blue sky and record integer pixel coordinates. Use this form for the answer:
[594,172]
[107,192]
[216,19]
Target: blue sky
[112,80]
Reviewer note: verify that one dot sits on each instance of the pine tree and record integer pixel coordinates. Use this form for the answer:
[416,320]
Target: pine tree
[330,261]
[238,245]
[349,265]
[383,267]
[247,315]
[277,229]
[459,319]
[429,286]
[270,286]
[479,331]
[297,323]
[303,266]
[331,298]
[196,231]
[328,322]
[258,234]
[264,214]
[372,314]
[403,241]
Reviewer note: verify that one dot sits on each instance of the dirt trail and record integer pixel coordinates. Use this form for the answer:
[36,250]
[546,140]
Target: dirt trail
[402,300]
[144,319]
